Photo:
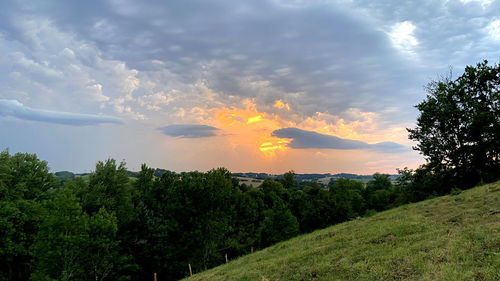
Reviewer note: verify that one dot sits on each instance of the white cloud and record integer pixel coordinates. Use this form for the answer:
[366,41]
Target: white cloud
[494,29]
[61,69]
[30,65]
[154,101]
[483,3]
[95,92]
[402,36]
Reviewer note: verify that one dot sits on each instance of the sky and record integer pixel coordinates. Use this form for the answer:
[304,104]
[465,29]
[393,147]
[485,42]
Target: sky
[262,85]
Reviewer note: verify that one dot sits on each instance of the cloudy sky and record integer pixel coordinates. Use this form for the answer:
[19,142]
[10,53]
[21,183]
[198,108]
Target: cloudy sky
[271,86]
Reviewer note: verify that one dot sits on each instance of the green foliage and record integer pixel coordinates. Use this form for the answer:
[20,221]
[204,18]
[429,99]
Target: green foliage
[458,130]
[70,245]
[421,241]
[108,187]
[314,208]
[378,192]
[288,181]
[19,220]
[102,255]
[24,176]
[250,210]
[61,237]
[273,192]
[104,227]
[348,197]
[279,224]
[24,182]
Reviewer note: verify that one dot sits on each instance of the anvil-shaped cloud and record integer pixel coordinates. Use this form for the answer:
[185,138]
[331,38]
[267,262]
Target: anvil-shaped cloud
[308,139]
[16,109]
[190,131]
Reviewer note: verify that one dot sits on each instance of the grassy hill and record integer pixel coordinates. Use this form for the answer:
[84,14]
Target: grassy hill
[455,237]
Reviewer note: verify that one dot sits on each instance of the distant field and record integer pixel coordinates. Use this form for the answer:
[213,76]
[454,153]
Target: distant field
[250,181]
[446,238]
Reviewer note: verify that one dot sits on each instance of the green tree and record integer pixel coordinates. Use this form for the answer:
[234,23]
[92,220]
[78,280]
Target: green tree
[108,187]
[25,182]
[313,207]
[24,176]
[458,130]
[288,181]
[72,245]
[102,254]
[273,192]
[404,187]
[279,224]
[348,197]
[248,217]
[187,218]
[19,220]
[59,244]
[378,192]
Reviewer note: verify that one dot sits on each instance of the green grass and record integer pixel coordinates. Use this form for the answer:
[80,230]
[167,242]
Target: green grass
[454,237]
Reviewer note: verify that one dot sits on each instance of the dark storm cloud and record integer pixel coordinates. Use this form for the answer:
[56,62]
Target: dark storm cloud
[307,139]
[318,56]
[190,131]
[16,109]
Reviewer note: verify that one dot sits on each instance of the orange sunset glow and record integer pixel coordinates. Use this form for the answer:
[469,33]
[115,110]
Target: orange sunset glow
[243,137]
[253,128]
[248,125]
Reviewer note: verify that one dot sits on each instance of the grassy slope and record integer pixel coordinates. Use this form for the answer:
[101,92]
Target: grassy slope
[446,238]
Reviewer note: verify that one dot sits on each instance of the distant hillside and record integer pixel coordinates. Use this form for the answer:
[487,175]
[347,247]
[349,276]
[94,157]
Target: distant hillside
[66,175]
[247,177]
[320,178]
[455,237]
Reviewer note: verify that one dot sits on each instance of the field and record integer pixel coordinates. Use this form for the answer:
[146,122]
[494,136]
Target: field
[455,237]
[250,181]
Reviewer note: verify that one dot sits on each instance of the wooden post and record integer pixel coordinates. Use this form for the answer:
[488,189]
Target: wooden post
[155,276]
[251,250]
[190,270]
[226,257]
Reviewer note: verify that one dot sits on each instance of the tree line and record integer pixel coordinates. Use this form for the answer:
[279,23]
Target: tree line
[110,227]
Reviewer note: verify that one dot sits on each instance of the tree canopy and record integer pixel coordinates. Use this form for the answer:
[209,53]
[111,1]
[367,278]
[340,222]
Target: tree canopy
[458,130]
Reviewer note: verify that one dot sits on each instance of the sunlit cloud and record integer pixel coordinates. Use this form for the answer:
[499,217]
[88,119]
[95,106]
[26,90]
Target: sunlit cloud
[250,128]
[494,29]
[254,119]
[264,132]
[280,105]
[403,38]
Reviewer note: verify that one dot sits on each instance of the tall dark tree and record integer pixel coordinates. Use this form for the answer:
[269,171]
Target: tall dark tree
[348,197]
[288,181]
[378,192]
[24,176]
[249,214]
[24,182]
[71,245]
[108,187]
[458,130]
[279,224]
